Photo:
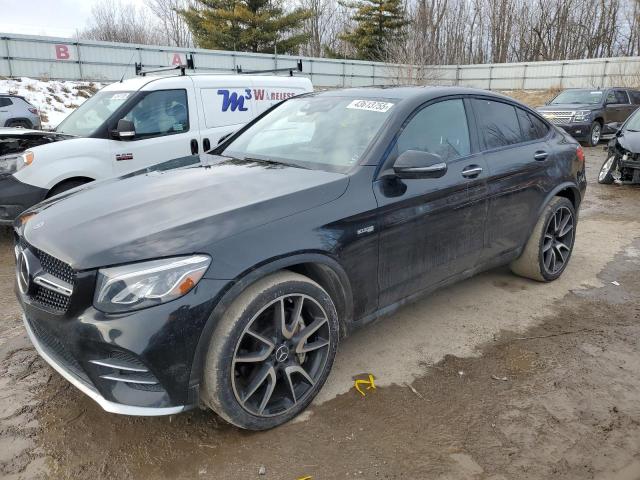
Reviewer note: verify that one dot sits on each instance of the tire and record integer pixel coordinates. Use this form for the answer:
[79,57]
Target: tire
[605,176]
[595,134]
[548,241]
[20,123]
[251,367]
[64,186]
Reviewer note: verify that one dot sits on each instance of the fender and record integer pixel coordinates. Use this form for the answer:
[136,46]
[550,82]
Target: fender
[235,287]
[563,186]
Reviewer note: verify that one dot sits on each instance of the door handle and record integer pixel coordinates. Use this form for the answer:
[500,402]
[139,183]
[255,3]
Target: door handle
[194,146]
[472,171]
[540,155]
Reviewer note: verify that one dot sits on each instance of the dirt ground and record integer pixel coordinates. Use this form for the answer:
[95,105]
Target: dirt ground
[494,378]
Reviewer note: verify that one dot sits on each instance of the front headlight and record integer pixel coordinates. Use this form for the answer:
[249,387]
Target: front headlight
[9,163]
[582,116]
[145,284]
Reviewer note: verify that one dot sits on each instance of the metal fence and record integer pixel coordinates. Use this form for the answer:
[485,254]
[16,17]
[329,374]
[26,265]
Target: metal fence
[63,58]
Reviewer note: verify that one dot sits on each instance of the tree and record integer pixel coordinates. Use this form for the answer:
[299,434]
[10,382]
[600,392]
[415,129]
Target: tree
[261,26]
[175,27]
[377,22]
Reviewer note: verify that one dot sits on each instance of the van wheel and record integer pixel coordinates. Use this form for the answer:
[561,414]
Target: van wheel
[547,253]
[64,186]
[271,352]
[605,176]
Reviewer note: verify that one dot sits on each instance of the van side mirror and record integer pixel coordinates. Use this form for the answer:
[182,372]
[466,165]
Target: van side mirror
[418,164]
[125,129]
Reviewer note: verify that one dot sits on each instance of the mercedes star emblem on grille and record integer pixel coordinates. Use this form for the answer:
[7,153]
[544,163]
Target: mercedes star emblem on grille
[22,272]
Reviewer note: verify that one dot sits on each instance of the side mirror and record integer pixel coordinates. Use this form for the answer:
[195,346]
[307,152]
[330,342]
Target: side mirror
[125,129]
[417,164]
[224,138]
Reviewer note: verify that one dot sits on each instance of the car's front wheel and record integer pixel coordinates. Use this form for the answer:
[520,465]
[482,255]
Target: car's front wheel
[549,248]
[595,134]
[605,176]
[271,352]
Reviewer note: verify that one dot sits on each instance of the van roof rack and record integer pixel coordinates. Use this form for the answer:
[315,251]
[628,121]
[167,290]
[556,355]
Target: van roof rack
[189,65]
[298,68]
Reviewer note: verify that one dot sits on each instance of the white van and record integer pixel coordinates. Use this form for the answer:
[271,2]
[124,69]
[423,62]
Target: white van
[137,123]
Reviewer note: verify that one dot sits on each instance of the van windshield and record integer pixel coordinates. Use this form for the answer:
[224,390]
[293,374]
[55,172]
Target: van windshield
[88,117]
[316,132]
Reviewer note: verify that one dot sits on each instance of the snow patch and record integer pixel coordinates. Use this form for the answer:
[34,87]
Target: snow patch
[54,99]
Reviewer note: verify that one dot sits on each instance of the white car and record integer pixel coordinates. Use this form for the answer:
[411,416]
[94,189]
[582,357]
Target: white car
[134,124]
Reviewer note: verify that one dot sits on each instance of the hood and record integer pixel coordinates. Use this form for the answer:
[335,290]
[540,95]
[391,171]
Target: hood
[17,140]
[568,106]
[630,141]
[173,212]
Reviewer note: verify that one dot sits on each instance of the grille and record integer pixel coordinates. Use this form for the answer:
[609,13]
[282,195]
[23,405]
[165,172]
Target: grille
[55,348]
[559,117]
[50,300]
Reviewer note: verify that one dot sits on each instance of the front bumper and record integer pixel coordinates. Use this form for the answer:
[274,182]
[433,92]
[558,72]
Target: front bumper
[134,364]
[579,131]
[16,197]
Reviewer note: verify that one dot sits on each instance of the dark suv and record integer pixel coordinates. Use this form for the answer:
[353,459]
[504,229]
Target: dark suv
[229,282]
[590,114]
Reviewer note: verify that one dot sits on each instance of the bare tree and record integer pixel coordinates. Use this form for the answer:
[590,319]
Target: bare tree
[175,28]
[112,21]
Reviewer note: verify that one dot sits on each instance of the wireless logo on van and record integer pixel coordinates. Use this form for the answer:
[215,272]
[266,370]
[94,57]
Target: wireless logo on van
[235,102]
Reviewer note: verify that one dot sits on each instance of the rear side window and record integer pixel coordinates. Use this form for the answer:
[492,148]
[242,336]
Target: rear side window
[497,123]
[163,112]
[440,128]
[635,97]
[621,96]
[532,127]
[5,102]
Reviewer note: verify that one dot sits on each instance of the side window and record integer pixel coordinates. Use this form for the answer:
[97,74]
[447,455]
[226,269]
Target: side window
[5,102]
[497,123]
[532,127]
[440,128]
[635,97]
[611,97]
[160,113]
[621,96]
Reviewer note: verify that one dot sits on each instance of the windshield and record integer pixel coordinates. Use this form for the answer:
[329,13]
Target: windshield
[317,132]
[633,124]
[578,96]
[86,119]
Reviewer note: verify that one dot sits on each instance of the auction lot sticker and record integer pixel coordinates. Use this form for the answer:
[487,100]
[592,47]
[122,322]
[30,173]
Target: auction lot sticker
[370,105]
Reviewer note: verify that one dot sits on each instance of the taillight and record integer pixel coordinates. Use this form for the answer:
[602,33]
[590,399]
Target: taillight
[33,110]
[580,153]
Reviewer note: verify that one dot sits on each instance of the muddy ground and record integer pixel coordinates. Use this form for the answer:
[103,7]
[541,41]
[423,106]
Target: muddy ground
[494,378]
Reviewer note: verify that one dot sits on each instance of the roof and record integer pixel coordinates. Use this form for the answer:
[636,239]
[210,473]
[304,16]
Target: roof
[409,92]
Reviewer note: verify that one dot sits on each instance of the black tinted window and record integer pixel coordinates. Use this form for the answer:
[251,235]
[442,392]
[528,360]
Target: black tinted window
[497,123]
[5,102]
[635,97]
[440,128]
[621,96]
[532,127]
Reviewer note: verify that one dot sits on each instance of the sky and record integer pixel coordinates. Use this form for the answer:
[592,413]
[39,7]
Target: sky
[55,18]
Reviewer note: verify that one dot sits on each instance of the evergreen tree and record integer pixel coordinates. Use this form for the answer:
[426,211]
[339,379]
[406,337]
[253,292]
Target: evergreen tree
[260,26]
[377,22]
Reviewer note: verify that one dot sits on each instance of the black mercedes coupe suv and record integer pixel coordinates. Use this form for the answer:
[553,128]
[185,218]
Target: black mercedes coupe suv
[228,283]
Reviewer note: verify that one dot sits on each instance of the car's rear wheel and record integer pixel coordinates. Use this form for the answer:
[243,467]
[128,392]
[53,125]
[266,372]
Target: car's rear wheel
[595,134]
[271,352]
[605,176]
[549,248]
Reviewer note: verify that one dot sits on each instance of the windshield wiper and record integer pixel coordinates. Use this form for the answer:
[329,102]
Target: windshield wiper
[274,162]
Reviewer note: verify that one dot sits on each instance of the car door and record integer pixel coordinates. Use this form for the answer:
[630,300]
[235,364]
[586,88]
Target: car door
[431,228]
[622,96]
[5,106]
[166,127]
[615,110]
[518,158]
